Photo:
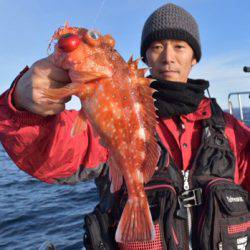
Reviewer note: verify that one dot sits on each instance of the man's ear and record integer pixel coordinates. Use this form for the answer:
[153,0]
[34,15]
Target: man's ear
[194,61]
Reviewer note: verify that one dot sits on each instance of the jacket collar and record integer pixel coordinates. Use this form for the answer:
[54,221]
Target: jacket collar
[203,112]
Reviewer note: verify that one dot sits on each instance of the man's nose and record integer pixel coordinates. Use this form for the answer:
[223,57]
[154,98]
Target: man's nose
[167,55]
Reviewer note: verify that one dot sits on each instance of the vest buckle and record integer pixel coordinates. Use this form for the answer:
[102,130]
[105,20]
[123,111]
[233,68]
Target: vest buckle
[190,198]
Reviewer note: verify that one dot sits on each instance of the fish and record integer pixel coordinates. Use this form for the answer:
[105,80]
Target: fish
[117,100]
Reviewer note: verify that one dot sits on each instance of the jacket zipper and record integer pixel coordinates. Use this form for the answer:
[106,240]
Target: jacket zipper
[185,180]
[186,187]
[220,246]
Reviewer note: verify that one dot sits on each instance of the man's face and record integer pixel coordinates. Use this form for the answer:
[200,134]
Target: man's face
[170,60]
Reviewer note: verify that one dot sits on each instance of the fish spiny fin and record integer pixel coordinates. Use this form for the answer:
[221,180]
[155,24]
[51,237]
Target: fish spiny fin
[142,72]
[115,175]
[130,60]
[136,222]
[80,124]
[149,122]
[144,81]
[66,24]
[133,65]
[138,75]
[136,62]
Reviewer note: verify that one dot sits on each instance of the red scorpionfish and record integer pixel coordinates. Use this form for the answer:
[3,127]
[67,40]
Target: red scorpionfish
[117,100]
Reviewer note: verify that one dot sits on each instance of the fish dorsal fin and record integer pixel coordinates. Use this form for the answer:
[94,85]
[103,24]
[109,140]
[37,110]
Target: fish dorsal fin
[142,72]
[150,122]
[130,60]
[133,65]
[149,119]
[135,71]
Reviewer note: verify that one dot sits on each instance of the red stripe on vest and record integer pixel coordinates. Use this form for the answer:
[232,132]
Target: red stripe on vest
[238,228]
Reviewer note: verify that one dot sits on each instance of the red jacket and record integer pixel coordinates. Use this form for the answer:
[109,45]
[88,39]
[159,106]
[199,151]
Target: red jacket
[44,148]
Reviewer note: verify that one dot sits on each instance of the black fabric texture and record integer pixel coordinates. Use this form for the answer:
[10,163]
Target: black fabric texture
[176,98]
[221,213]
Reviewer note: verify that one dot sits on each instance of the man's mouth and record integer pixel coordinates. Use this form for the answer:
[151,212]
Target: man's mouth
[168,72]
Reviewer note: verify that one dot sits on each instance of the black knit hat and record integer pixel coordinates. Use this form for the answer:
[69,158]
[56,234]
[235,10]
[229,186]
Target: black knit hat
[171,22]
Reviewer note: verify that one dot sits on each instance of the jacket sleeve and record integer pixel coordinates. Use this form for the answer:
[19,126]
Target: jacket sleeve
[239,138]
[43,146]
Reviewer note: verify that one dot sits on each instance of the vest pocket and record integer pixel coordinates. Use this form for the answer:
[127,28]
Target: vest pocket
[235,218]
[225,220]
[162,201]
[235,233]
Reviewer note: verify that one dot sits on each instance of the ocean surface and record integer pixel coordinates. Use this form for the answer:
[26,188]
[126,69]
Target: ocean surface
[32,212]
[246,114]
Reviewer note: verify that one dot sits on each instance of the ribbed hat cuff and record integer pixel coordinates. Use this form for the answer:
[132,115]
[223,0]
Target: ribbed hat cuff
[177,34]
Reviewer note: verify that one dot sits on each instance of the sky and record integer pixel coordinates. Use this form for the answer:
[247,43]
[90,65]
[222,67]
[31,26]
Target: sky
[27,25]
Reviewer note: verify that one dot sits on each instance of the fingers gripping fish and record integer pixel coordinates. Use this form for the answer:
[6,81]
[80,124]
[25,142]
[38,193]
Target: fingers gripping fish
[117,101]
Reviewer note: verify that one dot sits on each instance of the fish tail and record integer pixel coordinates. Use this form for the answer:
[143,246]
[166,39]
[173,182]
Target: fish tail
[136,222]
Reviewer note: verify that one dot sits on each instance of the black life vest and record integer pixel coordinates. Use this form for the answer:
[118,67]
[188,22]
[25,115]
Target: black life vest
[201,208]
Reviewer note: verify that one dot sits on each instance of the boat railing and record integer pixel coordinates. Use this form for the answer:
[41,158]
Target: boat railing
[240,106]
[245,118]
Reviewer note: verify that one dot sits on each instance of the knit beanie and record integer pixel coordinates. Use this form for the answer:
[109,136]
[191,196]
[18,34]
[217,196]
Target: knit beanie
[171,22]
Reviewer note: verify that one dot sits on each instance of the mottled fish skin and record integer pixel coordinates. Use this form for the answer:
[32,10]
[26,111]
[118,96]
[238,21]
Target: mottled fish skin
[117,101]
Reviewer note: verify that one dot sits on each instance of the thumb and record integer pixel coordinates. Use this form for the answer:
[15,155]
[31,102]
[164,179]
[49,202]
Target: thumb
[48,70]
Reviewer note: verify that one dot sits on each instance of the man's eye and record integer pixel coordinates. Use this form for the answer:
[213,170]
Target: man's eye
[156,47]
[179,46]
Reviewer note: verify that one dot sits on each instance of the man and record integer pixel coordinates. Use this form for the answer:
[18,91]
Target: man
[205,152]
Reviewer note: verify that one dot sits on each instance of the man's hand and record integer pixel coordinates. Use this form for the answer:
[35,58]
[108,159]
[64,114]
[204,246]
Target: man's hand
[29,91]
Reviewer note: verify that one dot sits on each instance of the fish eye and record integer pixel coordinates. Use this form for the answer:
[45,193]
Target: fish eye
[93,34]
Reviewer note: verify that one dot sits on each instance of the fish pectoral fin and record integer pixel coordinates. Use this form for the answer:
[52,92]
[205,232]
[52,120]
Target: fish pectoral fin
[80,124]
[88,76]
[62,92]
[115,175]
[150,163]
